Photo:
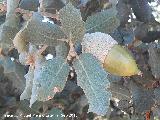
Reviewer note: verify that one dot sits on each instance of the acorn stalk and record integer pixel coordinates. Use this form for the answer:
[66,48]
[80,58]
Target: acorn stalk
[114,58]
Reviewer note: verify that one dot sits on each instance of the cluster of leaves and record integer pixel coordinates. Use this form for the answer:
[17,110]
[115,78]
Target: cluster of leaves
[30,83]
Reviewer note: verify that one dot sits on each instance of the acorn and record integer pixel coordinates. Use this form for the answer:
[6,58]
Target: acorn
[114,58]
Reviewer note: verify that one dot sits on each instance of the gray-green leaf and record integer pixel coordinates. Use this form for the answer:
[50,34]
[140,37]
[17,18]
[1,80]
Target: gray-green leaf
[154,60]
[105,21]
[29,83]
[12,19]
[47,76]
[11,25]
[15,72]
[8,64]
[143,99]
[62,50]
[38,32]
[72,23]
[92,78]
[157,95]
[55,114]
[31,5]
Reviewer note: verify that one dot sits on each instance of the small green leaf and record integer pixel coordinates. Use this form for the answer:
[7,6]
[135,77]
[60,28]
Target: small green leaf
[72,23]
[105,21]
[92,78]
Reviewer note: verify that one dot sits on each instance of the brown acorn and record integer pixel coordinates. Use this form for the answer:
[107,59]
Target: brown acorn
[114,58]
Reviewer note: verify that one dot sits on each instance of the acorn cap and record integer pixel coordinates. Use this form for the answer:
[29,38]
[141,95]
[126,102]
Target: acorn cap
[98,44]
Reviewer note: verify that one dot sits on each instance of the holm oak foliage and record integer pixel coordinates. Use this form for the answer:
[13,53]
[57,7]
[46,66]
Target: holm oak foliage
[53,55]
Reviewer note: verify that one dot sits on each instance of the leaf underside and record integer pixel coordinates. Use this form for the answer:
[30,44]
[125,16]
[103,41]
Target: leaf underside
[72,23]
[46,76]
[38,32]
[93,80]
